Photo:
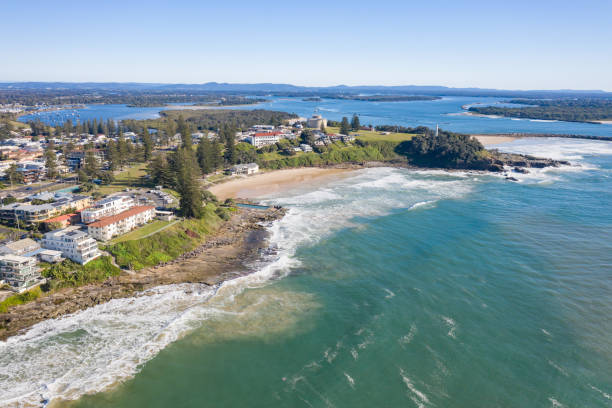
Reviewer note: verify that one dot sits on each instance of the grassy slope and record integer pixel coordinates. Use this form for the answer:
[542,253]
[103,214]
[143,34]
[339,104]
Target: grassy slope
[141,232]
[165,245]
[371,136]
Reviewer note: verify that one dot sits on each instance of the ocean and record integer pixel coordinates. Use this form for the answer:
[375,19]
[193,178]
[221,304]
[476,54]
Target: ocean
[391,287]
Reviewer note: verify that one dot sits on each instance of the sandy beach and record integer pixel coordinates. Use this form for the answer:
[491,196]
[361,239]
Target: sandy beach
[492,140]
[270,182]
[606,122]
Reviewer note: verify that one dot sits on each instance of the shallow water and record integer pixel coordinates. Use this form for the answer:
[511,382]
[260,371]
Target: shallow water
[447,113]
[392,287]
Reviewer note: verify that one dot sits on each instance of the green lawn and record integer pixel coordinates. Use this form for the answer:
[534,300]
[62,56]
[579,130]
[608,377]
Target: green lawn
[129,178]
[141,232]
[372,135]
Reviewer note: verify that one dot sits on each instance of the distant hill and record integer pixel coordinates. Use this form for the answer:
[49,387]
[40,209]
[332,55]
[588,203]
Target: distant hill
[294,90]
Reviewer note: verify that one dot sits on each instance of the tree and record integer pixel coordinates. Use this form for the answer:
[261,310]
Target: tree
[355,123]
[217,158]
[112,155]
[245,153]
[183,129]
[51,161]
[83,177]
[147,143]
[122,151]
[307,137]
[204,154]
[344,126]
[160,171]
[187,185]
[92,165]
[227,135]
[13,174]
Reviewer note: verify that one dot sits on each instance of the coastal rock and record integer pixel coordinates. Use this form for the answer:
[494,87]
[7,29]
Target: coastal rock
[235,244]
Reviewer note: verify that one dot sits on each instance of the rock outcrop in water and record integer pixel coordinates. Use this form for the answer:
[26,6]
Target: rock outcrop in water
[449,150]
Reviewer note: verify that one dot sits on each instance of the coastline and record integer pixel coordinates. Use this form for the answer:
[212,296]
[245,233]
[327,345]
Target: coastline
[223,256]
[492,140]
[269,182]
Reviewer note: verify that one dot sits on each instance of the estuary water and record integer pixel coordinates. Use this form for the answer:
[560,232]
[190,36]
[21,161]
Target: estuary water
[391,288]
[446,112]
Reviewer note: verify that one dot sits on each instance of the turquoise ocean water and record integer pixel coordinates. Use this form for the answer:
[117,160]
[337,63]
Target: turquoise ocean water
[391,288]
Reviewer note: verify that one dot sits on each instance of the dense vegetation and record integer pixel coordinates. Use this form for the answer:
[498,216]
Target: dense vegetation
[68,273]
[218,118]
[447,150]
[39,97]
[20,298]
[570,110]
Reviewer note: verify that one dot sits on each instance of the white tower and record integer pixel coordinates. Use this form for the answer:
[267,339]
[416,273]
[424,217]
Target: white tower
[436,130]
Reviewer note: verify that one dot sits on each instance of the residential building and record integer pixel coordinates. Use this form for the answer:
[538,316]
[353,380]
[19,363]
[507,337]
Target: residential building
[306,147]
[106,207]
[50,256]
[62,221]
[76,159]
[249,168]
[33,213]
[263,139]
[19,272]
[73,243]
[21,247]
[108,227]
[164,215]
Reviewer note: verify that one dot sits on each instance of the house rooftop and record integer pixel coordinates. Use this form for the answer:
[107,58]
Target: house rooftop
[122,215]
[21,244]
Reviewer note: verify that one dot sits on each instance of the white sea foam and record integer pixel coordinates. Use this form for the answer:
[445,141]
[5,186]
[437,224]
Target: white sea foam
[573,150]
[407,338]
[390,294]
[604,394]
[555,403]
[418,397]
[558,368]
[452,326]
[350,380]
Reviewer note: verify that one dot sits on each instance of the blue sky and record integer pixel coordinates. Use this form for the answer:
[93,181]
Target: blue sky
[537,44]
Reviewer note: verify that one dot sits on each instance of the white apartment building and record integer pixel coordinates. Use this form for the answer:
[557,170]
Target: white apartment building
[121,223]
[19,272]
[263,139]
[248,168]
[73,243]
[106,207]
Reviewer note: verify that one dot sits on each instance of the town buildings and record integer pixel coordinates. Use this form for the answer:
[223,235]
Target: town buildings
[19,272]
[21,247]
[108,227]
[73,243]
[106,207]
[34,213]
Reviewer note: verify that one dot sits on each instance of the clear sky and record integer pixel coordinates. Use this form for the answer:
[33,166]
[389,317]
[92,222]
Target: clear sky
[511,44]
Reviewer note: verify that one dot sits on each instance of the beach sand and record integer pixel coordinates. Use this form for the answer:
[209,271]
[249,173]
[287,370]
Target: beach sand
[606,122]
[270,182]
[492,140]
